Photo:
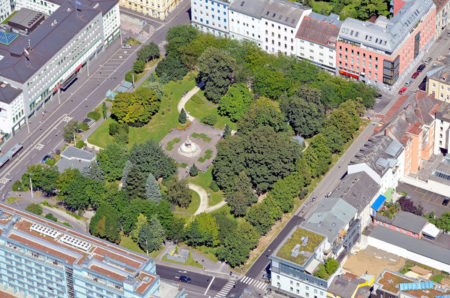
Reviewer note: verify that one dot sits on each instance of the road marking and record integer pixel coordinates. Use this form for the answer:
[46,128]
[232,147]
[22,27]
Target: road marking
[39,147]
[67,118]
[4,180]
[207,289]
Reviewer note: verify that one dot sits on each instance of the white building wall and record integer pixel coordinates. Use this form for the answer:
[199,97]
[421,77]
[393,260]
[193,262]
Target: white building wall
[316,53]
[298,288]
[111,23]
[392,176]
[211,16]
[362,167]
[246,27]
[43,6]
[388,247]
[441,136]
[278,37]
[12,114]
[5,9]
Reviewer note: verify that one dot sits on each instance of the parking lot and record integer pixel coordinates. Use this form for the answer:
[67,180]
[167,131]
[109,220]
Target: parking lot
[428,200]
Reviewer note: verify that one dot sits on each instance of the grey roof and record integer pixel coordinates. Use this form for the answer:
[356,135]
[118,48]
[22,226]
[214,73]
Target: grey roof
[26,17]
[443,112]
[8,93]
[343,286]
[253,8]
[442,172]
[72,164]
[332,19]
[412,244]
[386,35]
[75,153]
[442,75]
[380,152]
[330,217]
[409,221]
[47,39]
[284,12]
[357,189]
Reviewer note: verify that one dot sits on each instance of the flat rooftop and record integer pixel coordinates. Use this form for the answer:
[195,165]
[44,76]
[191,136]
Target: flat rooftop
[26,18]
[8,93]
[74,248]
[302,241]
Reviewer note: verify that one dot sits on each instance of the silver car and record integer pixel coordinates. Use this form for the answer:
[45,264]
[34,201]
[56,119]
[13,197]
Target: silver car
[408,82]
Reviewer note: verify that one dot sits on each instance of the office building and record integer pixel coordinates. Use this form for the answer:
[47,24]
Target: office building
[41,258]
[159,9]
[72,34]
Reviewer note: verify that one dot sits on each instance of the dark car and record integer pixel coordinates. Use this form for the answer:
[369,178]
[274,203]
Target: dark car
[44,160]
[185,278]
[421,67]
[445,202]
[415,75]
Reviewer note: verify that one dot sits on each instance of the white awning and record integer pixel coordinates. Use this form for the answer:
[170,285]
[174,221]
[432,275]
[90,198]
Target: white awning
[430,230]
[312,266]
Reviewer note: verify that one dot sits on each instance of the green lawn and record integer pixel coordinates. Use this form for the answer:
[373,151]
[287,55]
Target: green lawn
[161,123]
[198,107]
[11,200]
[193,206]
[127,242]
[206,251]
[202,136]
[322,7]
[204,180]
[190,261]
[206,156]
[171,143]
[10,16]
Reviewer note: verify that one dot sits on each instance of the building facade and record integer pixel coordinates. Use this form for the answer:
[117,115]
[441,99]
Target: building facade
[442,16]
[382,52]
[211,16]
[41,258]
[72,35]
[442,129]
[159,9]
[438,85]
[5,9]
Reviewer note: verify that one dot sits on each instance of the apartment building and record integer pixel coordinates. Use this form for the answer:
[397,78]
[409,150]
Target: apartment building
[442,16]
[382,52]
[159,9]
[41,258]
[442,129]
[438,84]
[5,9]
[245,20]
[316,40]
[211,16]
[72,35]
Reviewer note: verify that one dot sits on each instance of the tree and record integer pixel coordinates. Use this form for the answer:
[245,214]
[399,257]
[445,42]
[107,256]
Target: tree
[138,66]
[105,224]
[125,172]
[216,71]
[141,221]
[151,236]
[174,226]
[34,208]
[270,83]
[263,112]
[331,265]
[51,217]
[80,192]
[226,131]
[104,110]
[136,108]
[193,171]
[44,178]
[171,68]
[112,161]
[152,191]
[335,140]
[69,131]
[236,102]
[135,184]
[178,36]
[240,195]
[306,118]
[150,158]
[178,192]
[259,217]
[129,215]
[94,172]
[203,231]
[318,155]
[182,117]
[148,52]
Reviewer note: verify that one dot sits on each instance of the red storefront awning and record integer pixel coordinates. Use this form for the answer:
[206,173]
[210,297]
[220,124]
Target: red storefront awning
[78,68]
[349,74]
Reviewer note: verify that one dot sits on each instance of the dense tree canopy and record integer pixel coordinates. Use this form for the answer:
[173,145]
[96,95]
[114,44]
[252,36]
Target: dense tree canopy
[44,178]
[178,192]
[112,161]
[236,102]
[150,158]
[105,224]
[135,108]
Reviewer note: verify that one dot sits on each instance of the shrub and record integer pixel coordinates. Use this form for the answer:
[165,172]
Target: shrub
[17,186]
[209,120]
[94,115]
[34,208]
[50,162]
[138,66]
[51,217]
[83,126]
[182,117]
[129,76]
[193,171]
[113,128]
[214,187]
[80,144]
[67,224]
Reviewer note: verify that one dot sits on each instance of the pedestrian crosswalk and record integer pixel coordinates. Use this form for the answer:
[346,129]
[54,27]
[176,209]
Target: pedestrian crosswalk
[4,180]
[253,282]
[226,289]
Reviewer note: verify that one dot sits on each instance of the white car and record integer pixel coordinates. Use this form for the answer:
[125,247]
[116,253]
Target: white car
[126,46]
[408,82]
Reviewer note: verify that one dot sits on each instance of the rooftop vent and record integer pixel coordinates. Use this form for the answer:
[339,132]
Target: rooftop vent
[45,230]
[96,5]
[295,251]
[81,244]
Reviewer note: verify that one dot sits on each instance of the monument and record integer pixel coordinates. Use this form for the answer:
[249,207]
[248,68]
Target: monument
[189,148]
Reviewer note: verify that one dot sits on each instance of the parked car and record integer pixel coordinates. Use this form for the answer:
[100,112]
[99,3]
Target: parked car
[445,202]
[185,278]
[428,60]
[408,82]
[126,46]
[415,75]
[402,90]
[421,67]
[89,121]
[44,160]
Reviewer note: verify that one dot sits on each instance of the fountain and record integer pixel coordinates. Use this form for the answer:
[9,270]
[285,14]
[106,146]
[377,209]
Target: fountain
[189,148]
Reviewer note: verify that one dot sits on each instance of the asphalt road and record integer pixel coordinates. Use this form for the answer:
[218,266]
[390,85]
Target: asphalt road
[106,72]
[205,285]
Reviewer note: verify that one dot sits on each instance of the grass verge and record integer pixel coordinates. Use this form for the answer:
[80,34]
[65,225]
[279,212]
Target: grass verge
[204,180]
[170,144]
[11,200]
[202,136]
[190,261]
[193,206]
[208,155]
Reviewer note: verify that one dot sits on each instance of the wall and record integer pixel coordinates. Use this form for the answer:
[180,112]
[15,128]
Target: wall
[295,287]
[155,8]
[111,23]
[317,53]
[407,254]
[245,27]
[441,136]
[394,228]
[12,115]
[42,6]
[278,37]
[5,9]
[210,16]
[430,185]
[440,90]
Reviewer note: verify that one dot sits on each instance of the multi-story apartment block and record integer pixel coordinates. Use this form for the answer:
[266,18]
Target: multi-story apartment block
[438,84]
[41,258]
[316,40]
[280,22]
[245,20]
[211,16]
[154,8]
[5,9]
[73,34]
[442,16]
[383,51]
[442,129]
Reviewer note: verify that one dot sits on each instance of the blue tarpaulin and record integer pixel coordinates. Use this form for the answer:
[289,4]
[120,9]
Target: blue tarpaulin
[378,203]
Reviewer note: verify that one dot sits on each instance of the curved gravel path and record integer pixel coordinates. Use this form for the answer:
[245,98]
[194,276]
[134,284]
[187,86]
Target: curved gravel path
[184,99]
[204,200]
